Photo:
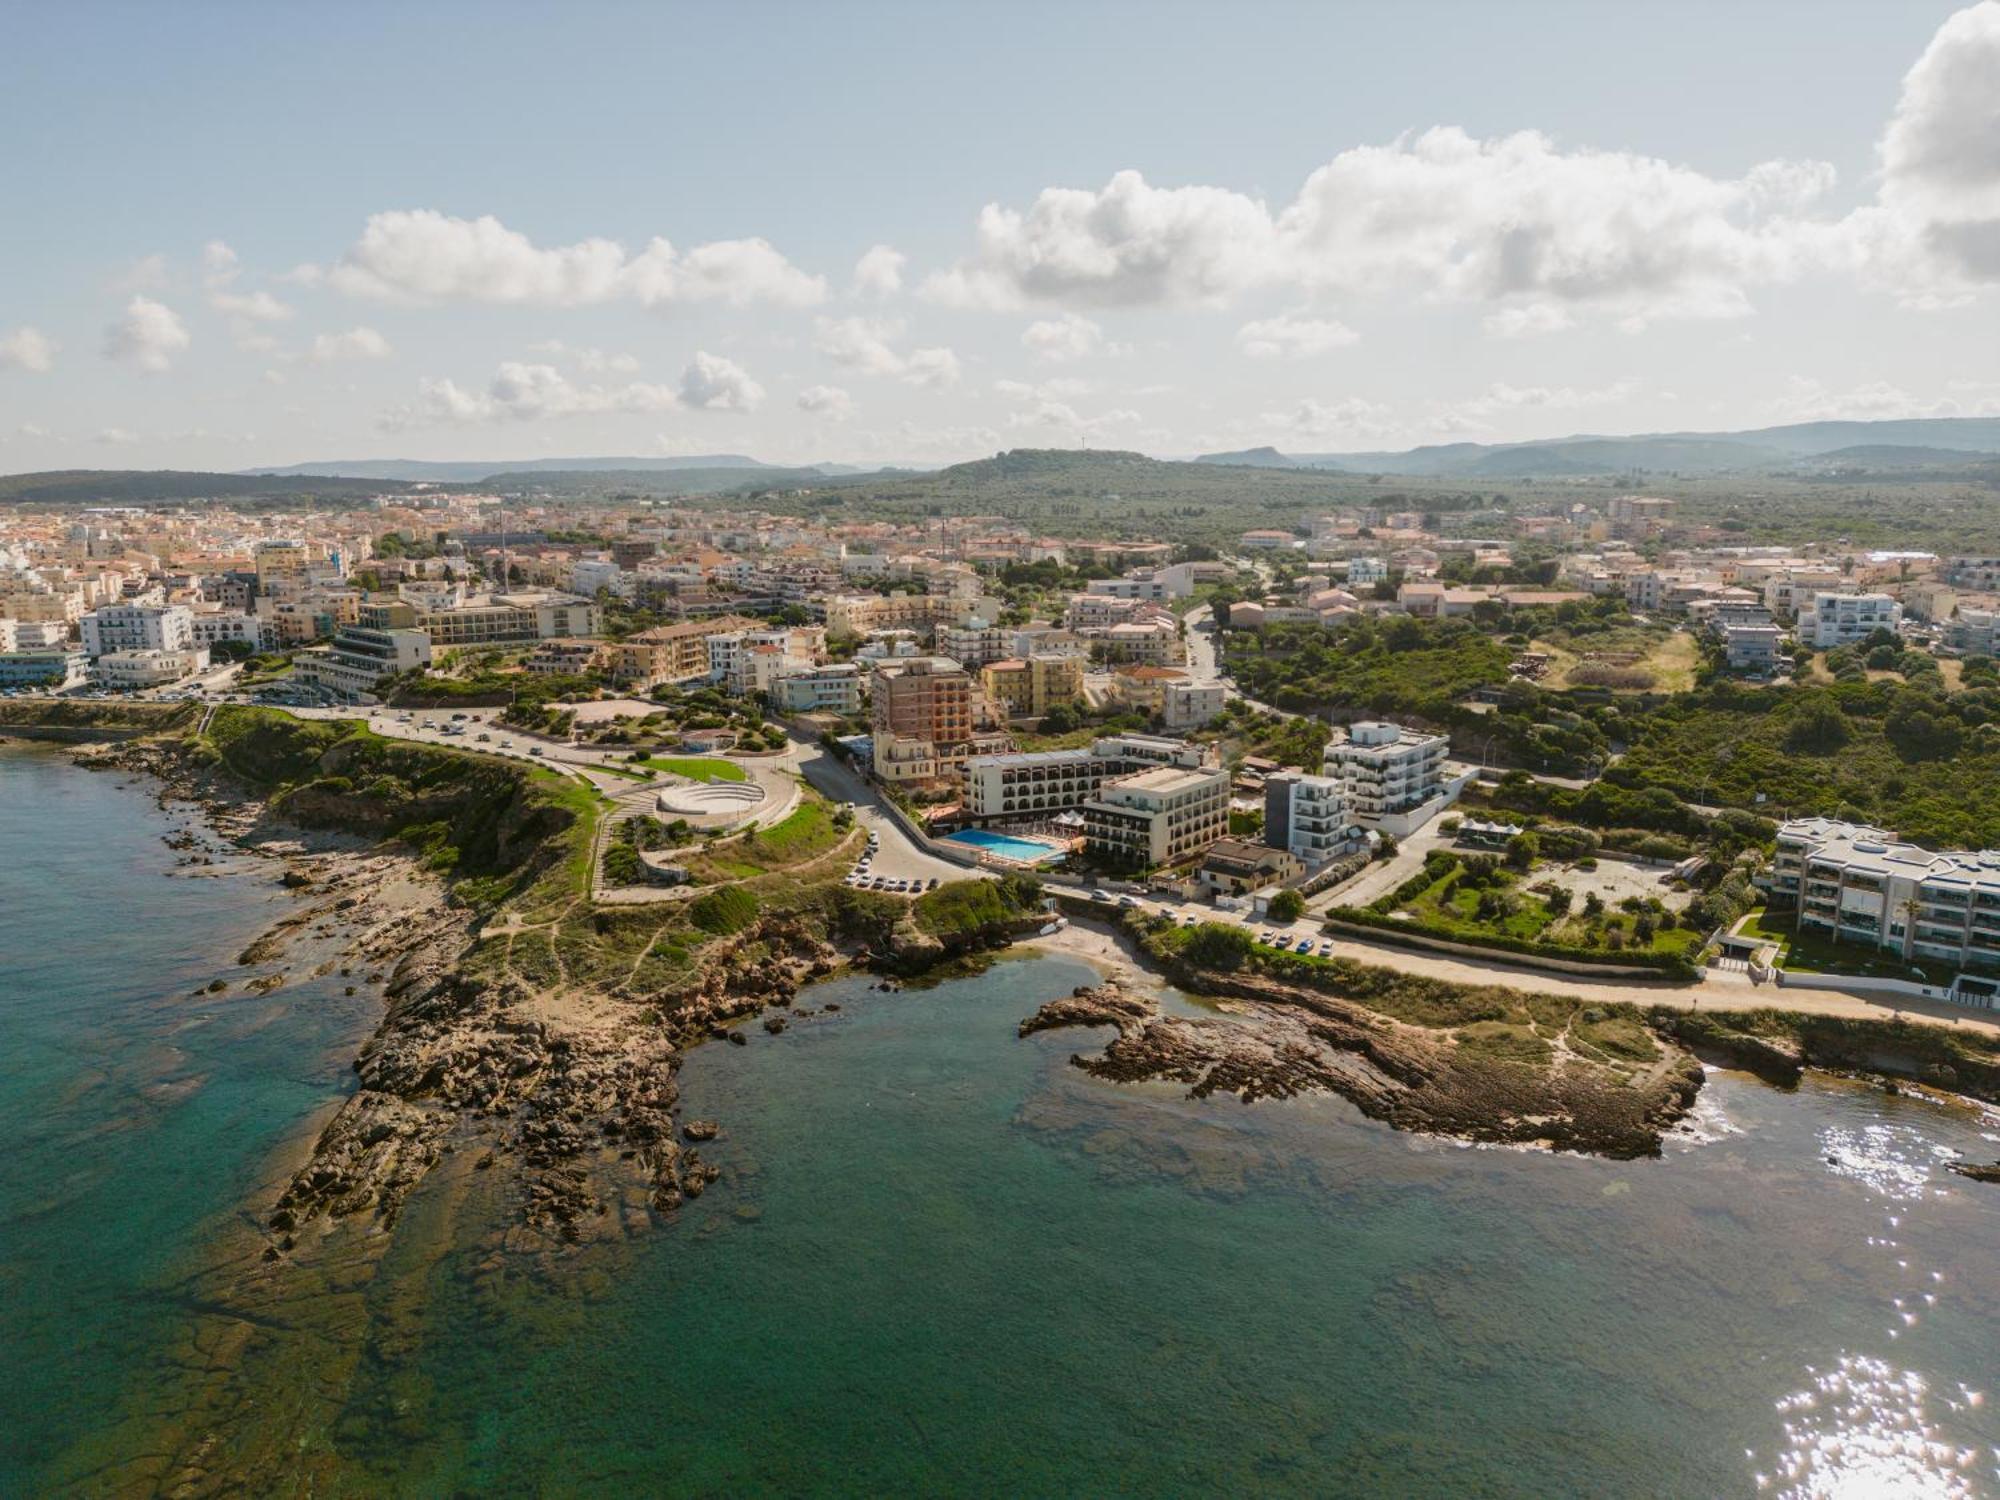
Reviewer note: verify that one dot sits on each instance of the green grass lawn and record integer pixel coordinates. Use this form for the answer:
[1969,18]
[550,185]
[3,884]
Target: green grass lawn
[696,767]
[1456,913]
[804,835]
[1814,953]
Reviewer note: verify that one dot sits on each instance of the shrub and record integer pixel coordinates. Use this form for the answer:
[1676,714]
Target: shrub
[726,909]
[1287,906]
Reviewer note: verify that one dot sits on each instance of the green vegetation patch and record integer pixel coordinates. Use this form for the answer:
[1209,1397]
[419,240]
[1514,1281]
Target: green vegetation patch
[726,909]
[696,767]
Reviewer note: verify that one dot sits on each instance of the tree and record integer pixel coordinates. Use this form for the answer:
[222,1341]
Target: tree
[1522,851]
[1287,906]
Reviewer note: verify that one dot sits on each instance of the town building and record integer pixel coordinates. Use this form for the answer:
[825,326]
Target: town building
[1389,773]
[973,644]
[1028,687]
[1750,647]
[1189,705]
[1974,632]
[834,688]
[147,667]
[1158,817]
[1863,885]
[1236,867]
[137,627]
[1831,620]
[670,653]
[1039,783]
[1308,816]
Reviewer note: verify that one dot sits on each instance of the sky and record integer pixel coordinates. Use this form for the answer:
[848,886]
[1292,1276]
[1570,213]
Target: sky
[236,234]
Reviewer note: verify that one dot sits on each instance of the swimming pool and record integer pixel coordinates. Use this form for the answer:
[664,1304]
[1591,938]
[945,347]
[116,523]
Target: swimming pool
[1022,851]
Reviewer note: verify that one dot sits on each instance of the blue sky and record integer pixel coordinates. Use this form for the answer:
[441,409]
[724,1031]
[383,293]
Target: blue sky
[1635,265]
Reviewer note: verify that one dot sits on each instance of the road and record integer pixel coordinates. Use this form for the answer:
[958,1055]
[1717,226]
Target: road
[898,855]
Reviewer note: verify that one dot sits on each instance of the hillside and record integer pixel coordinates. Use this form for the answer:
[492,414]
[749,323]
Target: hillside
[62,487]
[467,471]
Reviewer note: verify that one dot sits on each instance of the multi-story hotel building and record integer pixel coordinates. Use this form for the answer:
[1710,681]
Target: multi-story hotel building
[1157,817]
[1863,885]
[1386,769]
[1307,815]
[1035,784]
[138,627]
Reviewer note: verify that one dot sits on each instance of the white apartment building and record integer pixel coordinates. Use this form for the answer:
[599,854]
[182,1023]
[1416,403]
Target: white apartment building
[1163,816]
[1974,632]
[214,626]
[1786,592]
[1189,705]
[361,656]
[974,644]
[1308,816]
[589,574]
[1863,885]
[1975,574]
[1831,620]
[137,627]
[1388,772]
[122,671]
[1032,784]
[1751,648]
[1366,571]
[1149,643]
[834,688]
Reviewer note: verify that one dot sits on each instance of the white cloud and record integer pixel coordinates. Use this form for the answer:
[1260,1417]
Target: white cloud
[1501,396]
[1809,400]
[1061,388]
[867,345]
[149,335]
[826,401]
[1939,221]
[1528,320]
[712,383]
[425,256]
[1069,337]
[590,361]
[1443,214]
[219,263]
[355,343]
[879,272]
[1353,417]
[1060,414]
[27,349]
[146,274]
[1293,336]
[523,393]
[116,437]
[252,307]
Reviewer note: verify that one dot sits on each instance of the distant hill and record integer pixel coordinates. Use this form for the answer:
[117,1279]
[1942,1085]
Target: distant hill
[467,471]
[1894,456]
[1968,438]
[156,486]
[1254,458]
[696,481]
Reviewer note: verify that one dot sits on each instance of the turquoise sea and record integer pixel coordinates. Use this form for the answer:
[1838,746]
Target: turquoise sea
[942,1261]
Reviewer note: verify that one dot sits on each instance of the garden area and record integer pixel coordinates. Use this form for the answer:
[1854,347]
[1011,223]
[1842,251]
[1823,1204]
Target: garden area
[1816,953]
[1521,903]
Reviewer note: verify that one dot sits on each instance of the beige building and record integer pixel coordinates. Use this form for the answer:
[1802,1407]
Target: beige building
[1157,817]
[1028,687]
[671,653]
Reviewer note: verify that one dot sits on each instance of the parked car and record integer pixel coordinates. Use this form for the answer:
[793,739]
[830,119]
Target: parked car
[1129,903]
[535,750]
[933,884]
[1104,896]
[1303,945]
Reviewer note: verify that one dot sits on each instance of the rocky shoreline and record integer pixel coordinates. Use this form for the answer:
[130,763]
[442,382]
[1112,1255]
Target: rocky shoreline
[1281,1041]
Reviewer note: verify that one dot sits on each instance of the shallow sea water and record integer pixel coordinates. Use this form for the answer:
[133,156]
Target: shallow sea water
[941,1260]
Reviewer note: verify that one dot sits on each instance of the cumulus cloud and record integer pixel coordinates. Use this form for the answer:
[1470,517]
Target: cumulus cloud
[146,274]
[1057,339]
[1940,154]
[589,360]
[421,255]
[148,336]
[522,392]
[1293,336]
[1352,417]
[252,307]
[712,383]
[116,437]
[355,343]
[27,349]
[1442,213]
[1528,320]
[1808,400]
[828,401]
[879,272]
[868,345]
